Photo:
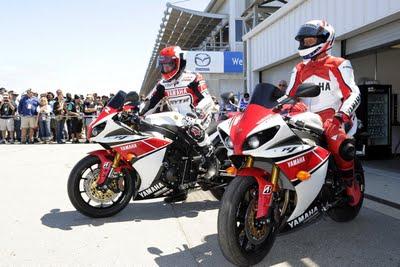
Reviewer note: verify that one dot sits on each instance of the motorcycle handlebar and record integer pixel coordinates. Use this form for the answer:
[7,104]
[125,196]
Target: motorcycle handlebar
[303,125]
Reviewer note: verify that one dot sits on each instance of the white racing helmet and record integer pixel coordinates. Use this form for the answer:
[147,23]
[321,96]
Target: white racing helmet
[319,29]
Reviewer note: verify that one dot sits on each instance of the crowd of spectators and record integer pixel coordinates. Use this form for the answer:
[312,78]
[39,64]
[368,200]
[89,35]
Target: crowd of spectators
[47,118]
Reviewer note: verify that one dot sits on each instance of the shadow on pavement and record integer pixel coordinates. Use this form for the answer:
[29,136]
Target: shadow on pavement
[135,212]
[361,242]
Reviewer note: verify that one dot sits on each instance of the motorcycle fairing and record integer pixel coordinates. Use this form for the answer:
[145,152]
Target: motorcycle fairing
[142,147]
[117,139]
[157,189]
[307,191]
[104,115]
[311,213]
[148,167]
[308,161]
[165,118]
[286,150]
[149,153]
[241,125]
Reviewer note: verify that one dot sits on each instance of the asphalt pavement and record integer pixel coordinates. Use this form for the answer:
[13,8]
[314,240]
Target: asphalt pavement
[39,226]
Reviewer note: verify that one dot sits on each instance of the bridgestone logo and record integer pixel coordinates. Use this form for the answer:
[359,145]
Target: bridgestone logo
[304,217]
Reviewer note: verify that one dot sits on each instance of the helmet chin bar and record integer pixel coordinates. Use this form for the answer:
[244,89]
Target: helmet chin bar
[167,67]
[311,52]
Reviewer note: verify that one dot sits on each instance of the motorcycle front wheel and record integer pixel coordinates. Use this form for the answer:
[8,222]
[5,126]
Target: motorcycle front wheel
[95,201]
[244,240]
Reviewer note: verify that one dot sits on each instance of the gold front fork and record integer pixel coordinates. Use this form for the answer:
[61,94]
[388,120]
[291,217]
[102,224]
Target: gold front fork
[274,173]
[249,162]
[275,177]
[117,158]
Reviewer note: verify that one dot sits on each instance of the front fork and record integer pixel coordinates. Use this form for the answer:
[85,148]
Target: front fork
[266,188]
[107,167]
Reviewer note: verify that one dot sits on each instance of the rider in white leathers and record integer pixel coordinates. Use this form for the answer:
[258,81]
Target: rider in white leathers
[187,94]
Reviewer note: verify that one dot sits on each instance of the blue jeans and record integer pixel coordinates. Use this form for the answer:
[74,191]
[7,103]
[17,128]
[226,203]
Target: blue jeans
[44,129]
[60,130]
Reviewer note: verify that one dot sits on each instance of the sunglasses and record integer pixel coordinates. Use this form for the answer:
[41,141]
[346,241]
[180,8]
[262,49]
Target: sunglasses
[282,85]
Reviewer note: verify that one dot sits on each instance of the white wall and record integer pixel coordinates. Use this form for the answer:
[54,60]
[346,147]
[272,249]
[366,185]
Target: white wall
[272,40]
[221,83]
[279,72]
[387,68]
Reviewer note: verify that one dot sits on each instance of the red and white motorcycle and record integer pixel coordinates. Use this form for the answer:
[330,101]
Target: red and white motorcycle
[285,176]
[142,159]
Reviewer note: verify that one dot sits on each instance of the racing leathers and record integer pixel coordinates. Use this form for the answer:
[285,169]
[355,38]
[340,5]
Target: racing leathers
[188,94]
[336,104]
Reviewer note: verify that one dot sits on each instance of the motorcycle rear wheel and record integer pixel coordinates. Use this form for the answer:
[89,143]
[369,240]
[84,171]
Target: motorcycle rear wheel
[81,199]
[236,223]
[345,212]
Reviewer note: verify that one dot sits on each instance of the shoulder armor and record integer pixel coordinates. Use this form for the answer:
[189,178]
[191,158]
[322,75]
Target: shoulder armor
[335,61]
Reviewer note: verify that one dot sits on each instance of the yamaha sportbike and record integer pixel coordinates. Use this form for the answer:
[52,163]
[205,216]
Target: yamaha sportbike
[142,159]
[285,176]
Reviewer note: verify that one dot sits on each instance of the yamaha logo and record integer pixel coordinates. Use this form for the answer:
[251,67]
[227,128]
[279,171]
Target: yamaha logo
[202,60]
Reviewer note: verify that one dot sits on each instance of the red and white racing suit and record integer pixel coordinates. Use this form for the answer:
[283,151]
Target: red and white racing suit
[186,92]
[339,94]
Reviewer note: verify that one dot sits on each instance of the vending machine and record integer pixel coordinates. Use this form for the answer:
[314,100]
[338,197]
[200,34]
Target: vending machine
[374,113]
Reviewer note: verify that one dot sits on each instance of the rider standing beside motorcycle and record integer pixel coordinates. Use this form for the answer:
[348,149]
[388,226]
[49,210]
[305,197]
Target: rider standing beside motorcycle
[187,93]
[339,97]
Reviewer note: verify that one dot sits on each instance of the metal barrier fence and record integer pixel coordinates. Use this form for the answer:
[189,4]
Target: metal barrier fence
[52,116]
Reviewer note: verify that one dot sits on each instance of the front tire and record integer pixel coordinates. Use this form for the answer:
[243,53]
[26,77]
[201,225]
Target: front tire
[236,221]
[92,202]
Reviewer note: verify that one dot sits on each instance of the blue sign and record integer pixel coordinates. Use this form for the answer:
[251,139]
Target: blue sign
[233,62]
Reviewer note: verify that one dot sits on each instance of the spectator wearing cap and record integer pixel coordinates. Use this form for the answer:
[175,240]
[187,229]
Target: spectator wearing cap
[44,111]
[244,101]
[74,112]
[89,110]
[7,111]
[282,85]
[60,111]
[27,109]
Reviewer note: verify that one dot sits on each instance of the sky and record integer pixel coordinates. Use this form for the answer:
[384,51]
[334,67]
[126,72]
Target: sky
[80,46]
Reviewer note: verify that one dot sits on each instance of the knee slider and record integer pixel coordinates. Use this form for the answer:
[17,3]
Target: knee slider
[347,149]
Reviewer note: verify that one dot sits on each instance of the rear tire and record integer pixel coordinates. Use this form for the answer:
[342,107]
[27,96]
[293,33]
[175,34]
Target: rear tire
[232,233]
[75,193]
[345,212]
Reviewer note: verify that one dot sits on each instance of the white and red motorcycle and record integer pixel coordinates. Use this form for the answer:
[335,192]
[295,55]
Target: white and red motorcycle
[285,176]
[142,159]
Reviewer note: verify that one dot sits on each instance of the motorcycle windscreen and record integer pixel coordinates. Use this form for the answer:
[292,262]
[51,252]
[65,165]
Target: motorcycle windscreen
[112,107]
[117,101]
[262,102]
